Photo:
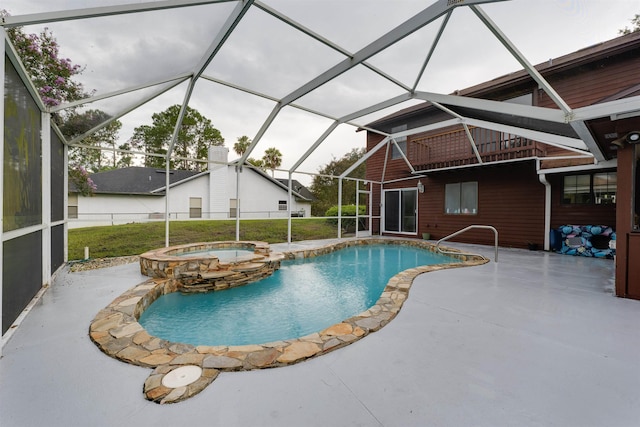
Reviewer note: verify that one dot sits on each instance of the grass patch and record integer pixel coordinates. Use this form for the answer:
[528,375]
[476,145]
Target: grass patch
[134,239]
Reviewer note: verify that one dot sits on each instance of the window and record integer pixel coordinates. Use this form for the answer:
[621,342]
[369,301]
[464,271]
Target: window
[577,189]
[195,207]
[604,188]
[282,205]
[72,207]
[400,210]
[233,208]
[401,141]
[461,198]
[597,188]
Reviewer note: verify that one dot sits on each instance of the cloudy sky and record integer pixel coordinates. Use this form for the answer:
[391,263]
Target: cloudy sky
[265,55]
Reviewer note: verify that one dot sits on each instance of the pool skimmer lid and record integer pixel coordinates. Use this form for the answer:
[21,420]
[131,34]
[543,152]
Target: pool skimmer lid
[182,376]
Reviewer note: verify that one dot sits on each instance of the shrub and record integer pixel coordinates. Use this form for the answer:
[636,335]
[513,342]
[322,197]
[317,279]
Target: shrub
[348,224]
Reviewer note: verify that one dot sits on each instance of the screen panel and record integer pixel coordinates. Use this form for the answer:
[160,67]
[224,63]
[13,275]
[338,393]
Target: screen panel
[57,178]
[21,275]
[22,181]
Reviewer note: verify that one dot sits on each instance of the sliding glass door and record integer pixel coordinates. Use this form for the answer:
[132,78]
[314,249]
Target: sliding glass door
[400,210]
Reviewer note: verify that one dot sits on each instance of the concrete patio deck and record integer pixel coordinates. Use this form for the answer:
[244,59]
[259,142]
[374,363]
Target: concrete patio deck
[537,339]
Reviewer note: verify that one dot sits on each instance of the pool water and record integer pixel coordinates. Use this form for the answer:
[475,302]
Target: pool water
[303,297]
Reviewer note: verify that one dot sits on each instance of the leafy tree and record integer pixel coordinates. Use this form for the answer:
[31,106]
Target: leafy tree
[79,177]
[195,137]
[348,224]
[256,162]
[272,159]
[51,74]
[241,146]
[325,188]
[635,26]
[104,140]
[124,159]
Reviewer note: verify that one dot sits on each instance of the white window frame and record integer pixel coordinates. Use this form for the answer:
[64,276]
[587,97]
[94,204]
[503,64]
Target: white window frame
[72,206]
[195,207]
[454,198]
[401,224]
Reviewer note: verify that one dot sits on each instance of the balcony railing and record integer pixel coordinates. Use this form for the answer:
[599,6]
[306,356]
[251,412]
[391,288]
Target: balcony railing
[453,148]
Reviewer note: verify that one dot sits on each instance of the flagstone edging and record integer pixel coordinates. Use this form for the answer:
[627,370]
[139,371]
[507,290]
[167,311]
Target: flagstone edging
[116,331]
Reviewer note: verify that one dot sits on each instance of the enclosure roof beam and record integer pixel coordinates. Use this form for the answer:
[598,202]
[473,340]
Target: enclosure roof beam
[428,15]
[326,42]
[432,49]
[618,109]
[263,129]
[565,142]
[96,12]
[428,128]
[126,110]
[377,107]
[175,80]
[540,113]
[230,24]
[364,158]
[535,74]
[315,145]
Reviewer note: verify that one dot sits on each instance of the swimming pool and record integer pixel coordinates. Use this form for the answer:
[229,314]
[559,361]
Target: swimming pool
[302,297]
[118,333]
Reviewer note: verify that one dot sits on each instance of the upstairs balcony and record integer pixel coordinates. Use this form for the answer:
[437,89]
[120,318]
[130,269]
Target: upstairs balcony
[453,148]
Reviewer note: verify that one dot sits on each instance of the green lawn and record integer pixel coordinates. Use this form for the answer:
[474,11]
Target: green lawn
[134,239]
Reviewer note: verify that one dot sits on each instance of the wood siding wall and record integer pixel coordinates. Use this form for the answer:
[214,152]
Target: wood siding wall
[510,198]
[594,82]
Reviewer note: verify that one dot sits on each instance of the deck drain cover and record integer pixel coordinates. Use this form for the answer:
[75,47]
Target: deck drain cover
[182,376]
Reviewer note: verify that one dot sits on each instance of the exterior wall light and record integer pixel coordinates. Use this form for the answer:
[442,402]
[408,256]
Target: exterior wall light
[633,137]
[420,187]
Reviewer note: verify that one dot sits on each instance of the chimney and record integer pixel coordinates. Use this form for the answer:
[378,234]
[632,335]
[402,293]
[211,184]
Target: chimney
[218,153]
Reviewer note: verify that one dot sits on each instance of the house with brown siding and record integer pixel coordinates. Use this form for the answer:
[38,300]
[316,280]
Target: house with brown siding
[442,170]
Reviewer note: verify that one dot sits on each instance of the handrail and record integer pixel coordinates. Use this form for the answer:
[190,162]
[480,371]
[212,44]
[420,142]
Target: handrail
[495,233]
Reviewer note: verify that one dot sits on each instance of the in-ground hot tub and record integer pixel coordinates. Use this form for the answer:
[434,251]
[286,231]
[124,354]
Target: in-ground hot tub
[211,266]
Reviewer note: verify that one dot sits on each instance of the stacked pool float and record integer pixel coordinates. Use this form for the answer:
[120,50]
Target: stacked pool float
[584,240]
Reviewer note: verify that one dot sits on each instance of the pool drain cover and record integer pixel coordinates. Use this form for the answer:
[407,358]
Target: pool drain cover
[182,376]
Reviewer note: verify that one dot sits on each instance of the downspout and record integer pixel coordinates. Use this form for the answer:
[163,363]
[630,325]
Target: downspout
[547,204]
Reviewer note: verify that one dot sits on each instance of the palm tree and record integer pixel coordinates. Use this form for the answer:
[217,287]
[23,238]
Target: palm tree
[241,146]
[272,159]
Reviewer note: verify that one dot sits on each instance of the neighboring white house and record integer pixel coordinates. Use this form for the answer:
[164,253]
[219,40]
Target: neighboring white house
[137,194]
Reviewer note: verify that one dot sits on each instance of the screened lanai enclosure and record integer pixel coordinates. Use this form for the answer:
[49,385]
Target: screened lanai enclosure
[306,77]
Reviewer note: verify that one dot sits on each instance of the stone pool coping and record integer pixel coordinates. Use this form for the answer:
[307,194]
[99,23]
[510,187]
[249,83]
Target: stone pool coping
[116,331]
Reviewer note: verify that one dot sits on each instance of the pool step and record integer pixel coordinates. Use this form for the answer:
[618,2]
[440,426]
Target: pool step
[248,267]
[215,274]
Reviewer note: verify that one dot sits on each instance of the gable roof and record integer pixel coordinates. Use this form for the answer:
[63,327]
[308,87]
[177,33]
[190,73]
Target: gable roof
[143,181]
[297,188]
[495,88]
[283,183]
[136,180]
